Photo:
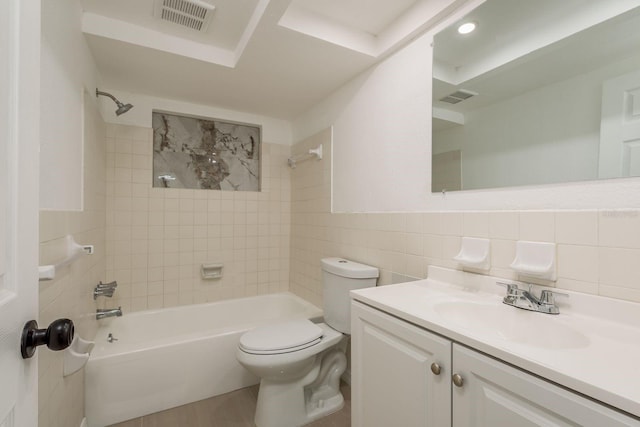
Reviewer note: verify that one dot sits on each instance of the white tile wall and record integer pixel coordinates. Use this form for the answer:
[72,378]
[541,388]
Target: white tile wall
[597,252]
[60,399]
[158,238]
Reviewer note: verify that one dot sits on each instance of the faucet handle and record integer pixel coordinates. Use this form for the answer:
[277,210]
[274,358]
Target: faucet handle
[512,288]
[547,296]
[109,285]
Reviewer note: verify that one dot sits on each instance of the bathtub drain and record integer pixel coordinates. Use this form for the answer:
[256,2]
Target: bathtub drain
[111,338]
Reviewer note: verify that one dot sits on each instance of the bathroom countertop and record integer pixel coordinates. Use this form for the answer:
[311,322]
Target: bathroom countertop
[596,351]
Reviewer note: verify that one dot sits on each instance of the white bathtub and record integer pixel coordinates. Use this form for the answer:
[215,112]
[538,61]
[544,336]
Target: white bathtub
[170,357]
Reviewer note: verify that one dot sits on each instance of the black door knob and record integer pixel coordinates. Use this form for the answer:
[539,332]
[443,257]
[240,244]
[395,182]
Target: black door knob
[57,336]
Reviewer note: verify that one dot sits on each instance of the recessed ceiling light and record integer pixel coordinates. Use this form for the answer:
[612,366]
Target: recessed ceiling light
[467,27]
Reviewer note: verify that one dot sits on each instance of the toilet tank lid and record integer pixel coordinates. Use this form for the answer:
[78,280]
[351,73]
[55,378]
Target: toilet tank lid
[350,269]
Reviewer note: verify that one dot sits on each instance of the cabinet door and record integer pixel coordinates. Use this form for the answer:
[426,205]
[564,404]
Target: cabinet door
[494,394]
[392,383]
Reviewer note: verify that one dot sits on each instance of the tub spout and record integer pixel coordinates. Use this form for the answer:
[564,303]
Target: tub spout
[109,312]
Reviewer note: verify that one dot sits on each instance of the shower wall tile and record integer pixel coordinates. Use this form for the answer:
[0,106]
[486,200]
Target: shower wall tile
[69,295]
[157,238]
[597,250]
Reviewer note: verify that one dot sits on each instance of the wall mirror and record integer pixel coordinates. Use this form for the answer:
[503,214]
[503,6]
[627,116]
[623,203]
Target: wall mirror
[540,92]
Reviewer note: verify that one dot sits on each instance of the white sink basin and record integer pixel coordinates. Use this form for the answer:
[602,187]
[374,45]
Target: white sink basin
[512,324]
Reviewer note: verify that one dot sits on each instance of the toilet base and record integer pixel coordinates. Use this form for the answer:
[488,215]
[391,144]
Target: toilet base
[317,394]
[325,407]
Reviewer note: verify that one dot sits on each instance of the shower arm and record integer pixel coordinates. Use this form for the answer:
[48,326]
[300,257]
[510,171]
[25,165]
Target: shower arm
[99,92]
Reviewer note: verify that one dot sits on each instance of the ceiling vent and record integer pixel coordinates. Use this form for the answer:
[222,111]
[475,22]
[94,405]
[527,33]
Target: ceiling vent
[194,14]
[458,96]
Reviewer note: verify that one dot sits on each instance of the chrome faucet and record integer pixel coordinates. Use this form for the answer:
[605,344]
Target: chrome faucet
[105,289]
[526,300]
[108,312]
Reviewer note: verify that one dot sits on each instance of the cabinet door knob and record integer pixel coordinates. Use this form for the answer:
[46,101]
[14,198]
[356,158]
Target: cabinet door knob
[435,368]
[457,380]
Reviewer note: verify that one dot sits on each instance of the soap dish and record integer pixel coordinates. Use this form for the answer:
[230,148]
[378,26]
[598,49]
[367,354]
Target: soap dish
[474,253]
[211,271]
[535,259]
[76,355]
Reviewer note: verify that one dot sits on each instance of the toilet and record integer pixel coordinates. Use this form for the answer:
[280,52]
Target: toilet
[299,362]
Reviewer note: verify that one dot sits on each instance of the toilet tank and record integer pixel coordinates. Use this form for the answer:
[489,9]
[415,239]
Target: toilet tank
[339,277]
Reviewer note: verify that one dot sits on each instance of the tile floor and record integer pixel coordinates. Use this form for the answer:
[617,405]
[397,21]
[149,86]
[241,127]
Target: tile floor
[233,409]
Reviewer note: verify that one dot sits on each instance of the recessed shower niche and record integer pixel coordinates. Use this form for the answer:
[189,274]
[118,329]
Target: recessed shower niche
[202,153]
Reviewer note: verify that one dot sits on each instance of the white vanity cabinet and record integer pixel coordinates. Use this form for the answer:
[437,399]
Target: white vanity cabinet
[400,374]
[393,383]
[494,394]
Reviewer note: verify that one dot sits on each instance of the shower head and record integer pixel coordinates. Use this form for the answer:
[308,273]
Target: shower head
[122,108]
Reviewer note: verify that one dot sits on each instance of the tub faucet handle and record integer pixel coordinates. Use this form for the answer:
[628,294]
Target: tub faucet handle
[101,285]
[104,289]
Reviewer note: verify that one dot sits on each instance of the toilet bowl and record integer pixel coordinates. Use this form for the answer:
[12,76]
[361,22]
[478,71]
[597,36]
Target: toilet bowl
[291,377]
[300,362]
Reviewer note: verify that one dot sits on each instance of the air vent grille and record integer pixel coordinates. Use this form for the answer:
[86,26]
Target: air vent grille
[458,96]
[196,15]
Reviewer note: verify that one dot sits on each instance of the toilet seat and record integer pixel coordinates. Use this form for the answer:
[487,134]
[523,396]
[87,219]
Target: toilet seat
[281,338]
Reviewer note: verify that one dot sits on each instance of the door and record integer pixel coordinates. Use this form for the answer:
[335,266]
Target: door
[400,373]
[620,127]
[19,124]
[490,393]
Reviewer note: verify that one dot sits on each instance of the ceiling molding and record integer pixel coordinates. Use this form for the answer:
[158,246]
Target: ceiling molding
[258,12]
[420,17]
[246,61]
[114,29]
[102,26]
[299,19]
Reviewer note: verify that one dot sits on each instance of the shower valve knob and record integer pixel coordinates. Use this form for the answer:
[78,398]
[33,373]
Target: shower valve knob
[57,336]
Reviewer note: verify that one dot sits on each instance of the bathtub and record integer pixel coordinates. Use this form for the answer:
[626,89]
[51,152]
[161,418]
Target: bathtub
[170,357]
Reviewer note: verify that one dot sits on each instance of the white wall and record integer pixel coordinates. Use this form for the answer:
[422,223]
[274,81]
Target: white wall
[382,147]
[67,70]
[275,131]
[380,133]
